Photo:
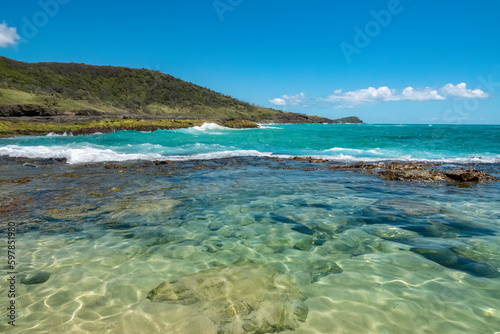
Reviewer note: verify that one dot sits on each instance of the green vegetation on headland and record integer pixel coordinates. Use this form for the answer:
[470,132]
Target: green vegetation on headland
[64,89]
[9,129]
[39,129]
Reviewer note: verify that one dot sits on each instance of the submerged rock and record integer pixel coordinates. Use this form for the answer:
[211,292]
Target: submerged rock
[450,259]
[36,277]
[304,245]
[294,225]
[322,268]
[239,299]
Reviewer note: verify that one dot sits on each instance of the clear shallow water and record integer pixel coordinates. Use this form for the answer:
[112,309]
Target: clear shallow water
[343,142]
[366,255]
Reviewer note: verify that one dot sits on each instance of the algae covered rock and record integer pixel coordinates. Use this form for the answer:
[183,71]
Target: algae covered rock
[36,277]
[240,124]
[238,299]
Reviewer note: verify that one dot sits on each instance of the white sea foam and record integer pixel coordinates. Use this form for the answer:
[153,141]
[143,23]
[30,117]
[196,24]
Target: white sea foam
[87,154]
[220,155]
[209,126]
[213,129]
[206,127]
[267,126]
[84,154]
[52,134]
[406,158]
[370,152]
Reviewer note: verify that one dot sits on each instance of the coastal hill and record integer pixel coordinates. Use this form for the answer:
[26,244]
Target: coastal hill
[38,98]
[110,89]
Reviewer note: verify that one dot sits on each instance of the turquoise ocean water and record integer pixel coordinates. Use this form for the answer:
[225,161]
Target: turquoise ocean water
[456,143]
[248,244]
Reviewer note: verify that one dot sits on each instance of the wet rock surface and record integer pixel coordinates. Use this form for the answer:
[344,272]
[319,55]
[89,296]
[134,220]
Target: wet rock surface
[419,172]
[245,298]
[400,171]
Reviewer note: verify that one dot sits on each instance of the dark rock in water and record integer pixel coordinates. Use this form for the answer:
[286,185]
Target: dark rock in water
[281,219]
[114,166]
[301,228]
[308,159]
[322,268]
[215,226]
[296,226]
[468,230]
[117,225]
[446,229]
[354,248]
[36,277]
[189,242]
[449,259]
[395,235]
[245,298]
[166,239]
[468,175]
[313,205]
[435,230]
[259,217]
[321,206]
[429,221]
[213,245]
[304,245]
[417,174]
[320,239]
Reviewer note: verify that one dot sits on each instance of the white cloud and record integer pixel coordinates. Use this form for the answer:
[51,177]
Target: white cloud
[384,94]
[461,91]
[350,99]
[412,94]
[362,95]
[8,36]
[291,100]
[277,101]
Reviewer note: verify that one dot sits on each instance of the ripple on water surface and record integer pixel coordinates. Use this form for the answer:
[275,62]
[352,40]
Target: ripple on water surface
[322,252]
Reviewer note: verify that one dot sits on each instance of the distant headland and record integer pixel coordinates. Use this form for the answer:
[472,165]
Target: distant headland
[38,98]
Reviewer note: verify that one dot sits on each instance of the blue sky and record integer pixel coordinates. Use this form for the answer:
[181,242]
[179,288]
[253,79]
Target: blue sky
[385,61]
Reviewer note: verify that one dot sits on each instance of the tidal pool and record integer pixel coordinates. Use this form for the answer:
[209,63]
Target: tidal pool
[247,245]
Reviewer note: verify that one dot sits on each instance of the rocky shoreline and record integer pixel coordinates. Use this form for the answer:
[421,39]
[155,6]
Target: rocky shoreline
[418,172]
[35,120]
[411,171]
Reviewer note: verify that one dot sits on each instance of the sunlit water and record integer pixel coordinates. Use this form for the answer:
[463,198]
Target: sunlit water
[365,255]
[339,142]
